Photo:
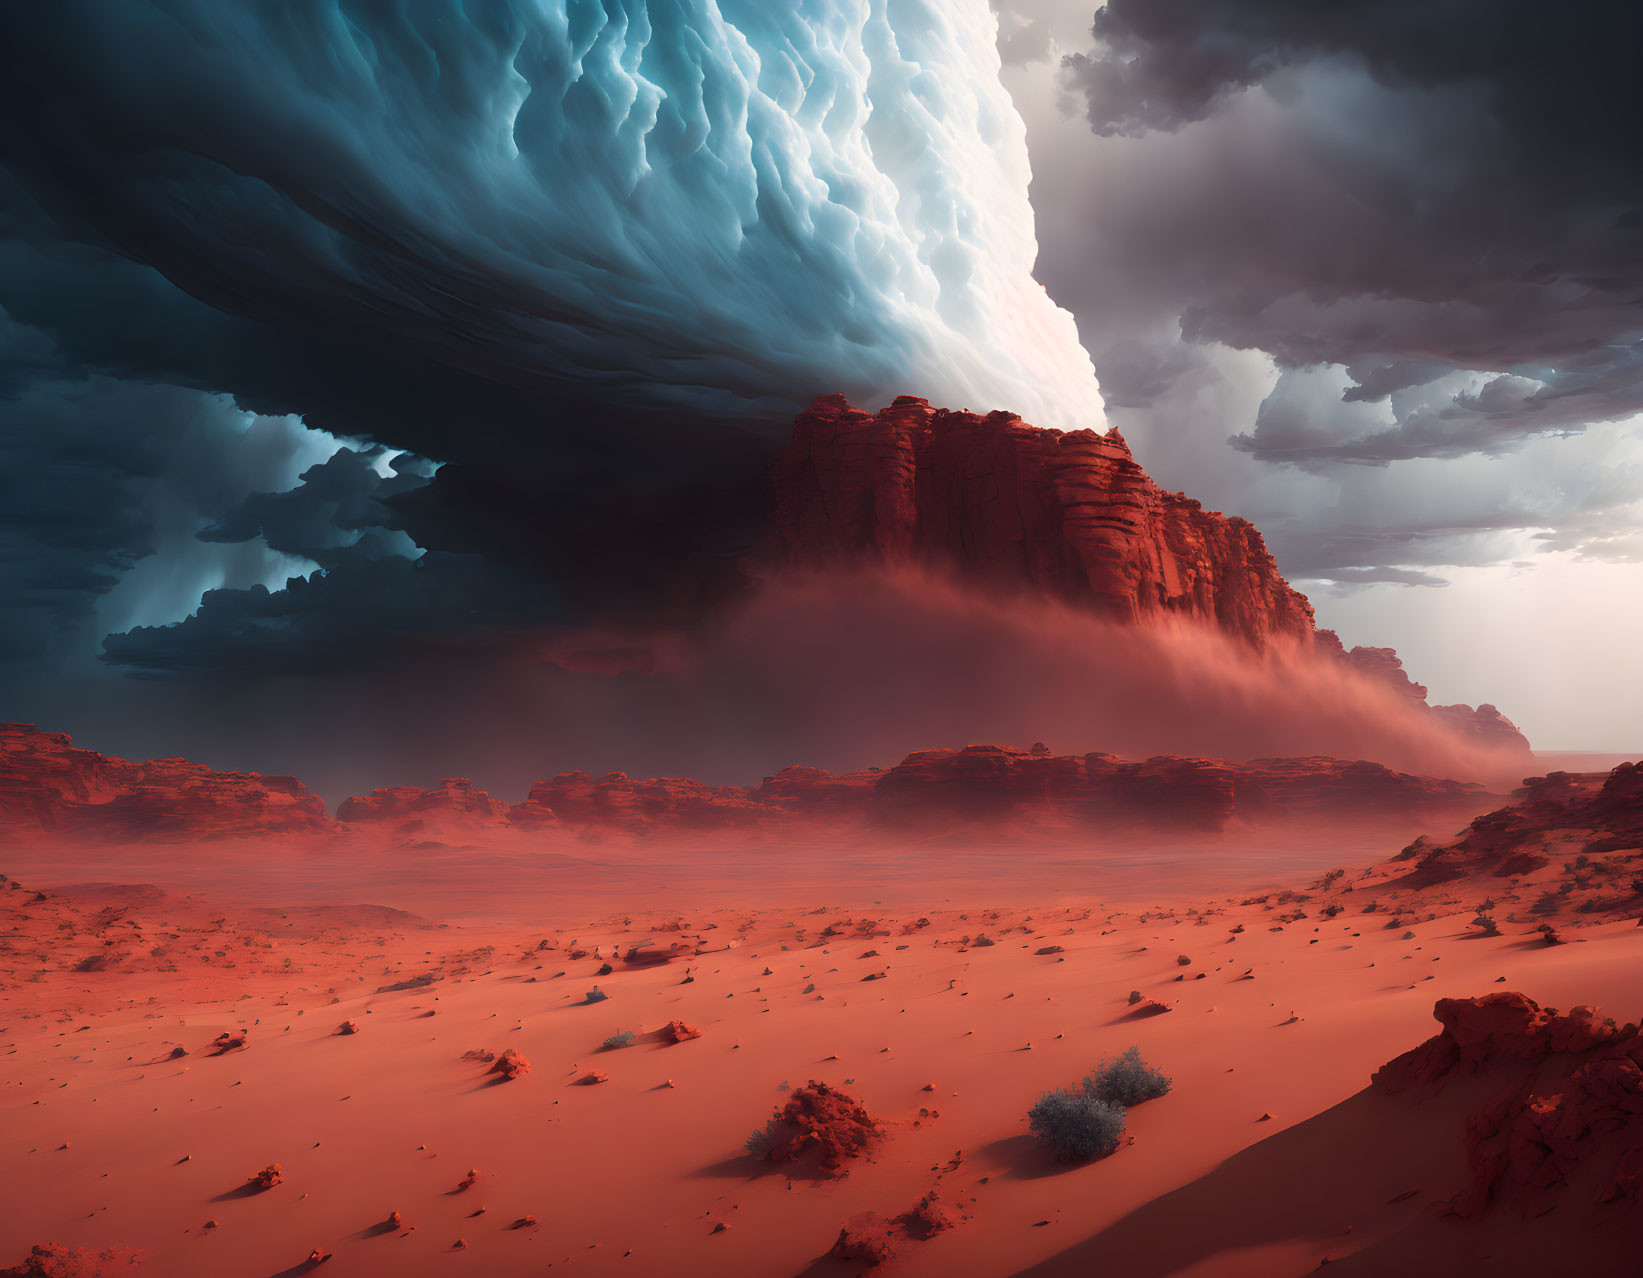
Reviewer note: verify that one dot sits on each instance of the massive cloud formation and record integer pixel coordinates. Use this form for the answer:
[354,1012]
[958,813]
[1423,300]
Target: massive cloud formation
[719,209]
[103,486]
[589,257]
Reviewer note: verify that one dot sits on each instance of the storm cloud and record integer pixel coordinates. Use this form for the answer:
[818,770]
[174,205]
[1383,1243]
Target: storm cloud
[1346,237]
[1405,190]
[712,209]
[589,259]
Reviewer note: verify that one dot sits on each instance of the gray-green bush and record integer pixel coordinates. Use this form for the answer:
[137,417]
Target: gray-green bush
[1126,1080]
[1077,1124]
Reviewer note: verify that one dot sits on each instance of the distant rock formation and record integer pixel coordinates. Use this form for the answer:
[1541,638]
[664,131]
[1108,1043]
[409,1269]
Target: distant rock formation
[617,801]
[1557,816]
[937,790]
[47,785]
[409,809]
[1484,725]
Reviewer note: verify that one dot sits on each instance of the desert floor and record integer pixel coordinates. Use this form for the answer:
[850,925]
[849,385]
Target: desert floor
[1267,1157]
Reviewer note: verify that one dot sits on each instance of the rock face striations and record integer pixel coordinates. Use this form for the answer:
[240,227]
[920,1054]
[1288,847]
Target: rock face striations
[1070,515]
[1006,504]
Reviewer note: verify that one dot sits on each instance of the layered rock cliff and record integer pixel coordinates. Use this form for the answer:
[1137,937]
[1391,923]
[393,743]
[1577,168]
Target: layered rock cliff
[1009,506]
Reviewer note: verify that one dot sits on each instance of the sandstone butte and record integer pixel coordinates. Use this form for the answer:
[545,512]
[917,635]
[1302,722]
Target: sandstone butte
[1065,514]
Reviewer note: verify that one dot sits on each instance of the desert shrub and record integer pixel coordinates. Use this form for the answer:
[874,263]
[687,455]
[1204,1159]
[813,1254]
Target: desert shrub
[595,995]
[622,1038]
[1077,1124]
[1126,1080]
[1488,924]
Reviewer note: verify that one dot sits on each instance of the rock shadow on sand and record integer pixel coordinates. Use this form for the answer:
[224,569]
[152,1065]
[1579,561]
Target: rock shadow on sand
[1027,1158]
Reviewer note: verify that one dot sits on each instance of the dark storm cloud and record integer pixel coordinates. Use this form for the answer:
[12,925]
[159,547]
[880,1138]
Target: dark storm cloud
[330,511]
[557,504]
[706,208]
[1404,189]
[366,607]
[98,477]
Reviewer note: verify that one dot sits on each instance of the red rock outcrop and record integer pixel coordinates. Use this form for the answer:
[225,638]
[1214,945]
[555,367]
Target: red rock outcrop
[998,501]
[1206,793]
[1572,1098]
[409,810]
[510,1065]
[48,785]
[1590,815]
[1506,1026]
[617,801]
[935,790]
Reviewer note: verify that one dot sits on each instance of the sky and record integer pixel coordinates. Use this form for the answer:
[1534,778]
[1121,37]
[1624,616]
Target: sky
[1369,275]
[345,350]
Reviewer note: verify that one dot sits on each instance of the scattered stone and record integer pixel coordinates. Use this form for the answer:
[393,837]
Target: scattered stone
[510,1065]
